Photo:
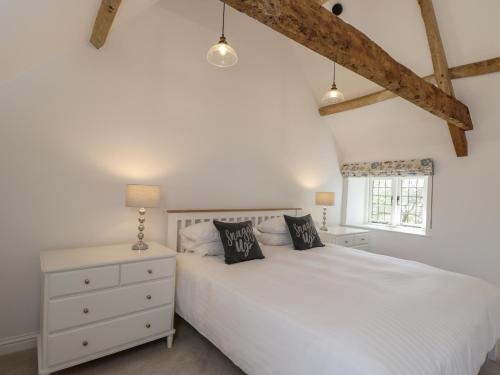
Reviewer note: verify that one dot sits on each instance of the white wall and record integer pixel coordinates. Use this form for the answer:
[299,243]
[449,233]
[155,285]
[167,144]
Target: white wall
[147,108]
[355,201]
[466,210]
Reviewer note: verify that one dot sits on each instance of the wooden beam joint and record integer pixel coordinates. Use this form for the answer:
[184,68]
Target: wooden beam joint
[463,71]
[313,26]
[440,64]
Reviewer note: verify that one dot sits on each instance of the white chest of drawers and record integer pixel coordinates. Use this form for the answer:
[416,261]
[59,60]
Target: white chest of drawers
[100,300]
[347,236]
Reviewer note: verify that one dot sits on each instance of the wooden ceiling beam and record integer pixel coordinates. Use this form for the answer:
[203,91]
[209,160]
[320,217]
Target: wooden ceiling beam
[311,25]
[103,22]
[440,64]
[462,71]
[475,69]
[362,101]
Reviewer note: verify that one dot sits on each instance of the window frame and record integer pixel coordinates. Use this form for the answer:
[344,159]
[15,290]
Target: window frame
[369,207]
[395,223]
[424,205]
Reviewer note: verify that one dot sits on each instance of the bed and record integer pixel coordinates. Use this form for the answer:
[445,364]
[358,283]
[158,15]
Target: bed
[335,310]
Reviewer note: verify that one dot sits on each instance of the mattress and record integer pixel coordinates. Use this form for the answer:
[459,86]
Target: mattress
[342,311]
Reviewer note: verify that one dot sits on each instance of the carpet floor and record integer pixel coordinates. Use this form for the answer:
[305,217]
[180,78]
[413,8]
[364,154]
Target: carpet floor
[191,354]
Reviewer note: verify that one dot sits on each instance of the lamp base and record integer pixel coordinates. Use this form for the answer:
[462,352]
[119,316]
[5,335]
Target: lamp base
[139,245]
[324,228]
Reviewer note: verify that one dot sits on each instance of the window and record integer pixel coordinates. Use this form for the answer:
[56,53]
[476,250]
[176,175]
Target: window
[381,200]
[392,203]
[411,201]
[398,201]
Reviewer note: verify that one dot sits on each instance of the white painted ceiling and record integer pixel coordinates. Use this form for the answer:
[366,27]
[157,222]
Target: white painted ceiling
[470,32]
[35,32]
[396,128]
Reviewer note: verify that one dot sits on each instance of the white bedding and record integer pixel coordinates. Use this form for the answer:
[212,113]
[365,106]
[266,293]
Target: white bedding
[339,311]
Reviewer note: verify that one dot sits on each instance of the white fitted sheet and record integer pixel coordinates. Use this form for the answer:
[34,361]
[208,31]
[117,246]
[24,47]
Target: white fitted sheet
[339,311]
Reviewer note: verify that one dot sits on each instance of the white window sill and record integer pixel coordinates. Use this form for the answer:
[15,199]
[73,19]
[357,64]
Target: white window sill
[388,228]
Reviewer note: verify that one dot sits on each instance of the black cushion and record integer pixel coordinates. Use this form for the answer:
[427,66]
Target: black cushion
[238,241]
[303,232]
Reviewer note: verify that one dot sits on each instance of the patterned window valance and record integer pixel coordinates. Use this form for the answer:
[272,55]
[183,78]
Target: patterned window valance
[415,167]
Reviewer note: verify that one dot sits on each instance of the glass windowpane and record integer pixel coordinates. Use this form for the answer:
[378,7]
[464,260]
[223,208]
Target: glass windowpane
[412,201]
[381,200]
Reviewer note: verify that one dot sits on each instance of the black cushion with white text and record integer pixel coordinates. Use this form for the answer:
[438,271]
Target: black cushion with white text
[239,242]
[303,232]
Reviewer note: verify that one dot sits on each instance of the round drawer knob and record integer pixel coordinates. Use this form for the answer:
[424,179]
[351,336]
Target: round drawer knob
[148,325]
[150,272]
[87,281]
[85,310]
[148,296]
[85,343]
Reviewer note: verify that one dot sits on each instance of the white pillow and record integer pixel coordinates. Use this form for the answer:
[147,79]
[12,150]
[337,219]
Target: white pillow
[201,232]
[213,248]
[186,243]
[274,239]
[209,248]
[276,225]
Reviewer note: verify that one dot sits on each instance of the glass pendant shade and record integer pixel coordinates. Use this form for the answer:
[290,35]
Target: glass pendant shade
[332,96]
[222,54]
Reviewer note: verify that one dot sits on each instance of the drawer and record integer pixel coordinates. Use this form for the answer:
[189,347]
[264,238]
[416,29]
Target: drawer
[326,237]
[362,247]
[88,308]
[361,239]
[70,282]
[83,342]
[347,241]
[150,270]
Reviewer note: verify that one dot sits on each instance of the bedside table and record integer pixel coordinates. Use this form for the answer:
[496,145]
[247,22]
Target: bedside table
[100,300]
[347,236]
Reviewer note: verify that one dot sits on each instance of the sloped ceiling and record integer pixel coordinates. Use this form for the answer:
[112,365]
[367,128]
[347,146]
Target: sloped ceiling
[34,32]
[395,128]
[469,32]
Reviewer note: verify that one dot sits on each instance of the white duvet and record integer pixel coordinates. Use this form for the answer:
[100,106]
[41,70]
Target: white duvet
[339,311]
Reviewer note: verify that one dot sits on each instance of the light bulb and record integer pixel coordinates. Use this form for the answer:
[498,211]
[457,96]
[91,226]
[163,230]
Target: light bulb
[332,96]
[222,54]
[222,49]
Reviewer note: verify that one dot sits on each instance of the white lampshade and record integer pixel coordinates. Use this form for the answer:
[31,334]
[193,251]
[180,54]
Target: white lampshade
[325,199]
[143,196]
[332,96]
[222,55]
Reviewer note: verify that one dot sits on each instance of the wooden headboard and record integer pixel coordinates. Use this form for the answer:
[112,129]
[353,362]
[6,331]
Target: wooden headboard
[178,219]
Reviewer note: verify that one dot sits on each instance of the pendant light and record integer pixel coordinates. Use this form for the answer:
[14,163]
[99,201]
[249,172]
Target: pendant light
[222,54]
[333,95]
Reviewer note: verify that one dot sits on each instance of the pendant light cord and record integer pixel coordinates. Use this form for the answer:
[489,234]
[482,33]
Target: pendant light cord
[334,72]
[223,16]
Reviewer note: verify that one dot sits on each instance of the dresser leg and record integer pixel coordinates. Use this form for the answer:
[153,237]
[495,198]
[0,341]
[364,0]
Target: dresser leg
[39,356]
[170,341]
[494,354]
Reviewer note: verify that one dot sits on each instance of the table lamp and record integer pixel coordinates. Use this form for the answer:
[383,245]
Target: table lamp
[142,197]
[325,199]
